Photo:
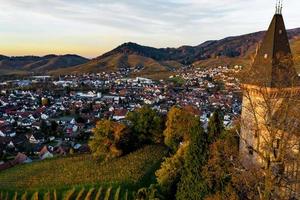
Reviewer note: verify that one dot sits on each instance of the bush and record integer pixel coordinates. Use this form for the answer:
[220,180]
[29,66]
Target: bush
[110,140]
[146,126]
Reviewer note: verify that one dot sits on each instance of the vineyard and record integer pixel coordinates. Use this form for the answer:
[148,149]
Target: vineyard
[81,177]
[72,194]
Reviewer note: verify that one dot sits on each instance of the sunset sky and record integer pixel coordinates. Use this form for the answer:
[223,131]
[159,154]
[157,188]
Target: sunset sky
[92,27]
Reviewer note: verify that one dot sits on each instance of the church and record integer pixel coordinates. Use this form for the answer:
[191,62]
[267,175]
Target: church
[270,120]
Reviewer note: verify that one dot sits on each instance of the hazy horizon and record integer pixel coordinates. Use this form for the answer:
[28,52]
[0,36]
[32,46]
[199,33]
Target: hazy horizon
[91,27]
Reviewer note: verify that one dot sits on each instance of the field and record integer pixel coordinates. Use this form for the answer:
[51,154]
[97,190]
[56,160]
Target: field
[81,174]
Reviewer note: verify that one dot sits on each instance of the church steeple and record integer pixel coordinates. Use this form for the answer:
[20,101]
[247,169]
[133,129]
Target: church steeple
[278,7]
[273,65]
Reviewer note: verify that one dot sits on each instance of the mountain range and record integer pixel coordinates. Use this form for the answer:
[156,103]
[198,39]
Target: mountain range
[148,60]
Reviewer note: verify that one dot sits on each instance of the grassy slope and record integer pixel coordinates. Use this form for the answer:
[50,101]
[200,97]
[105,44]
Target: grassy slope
[132,170]
[12,72]
[114,62]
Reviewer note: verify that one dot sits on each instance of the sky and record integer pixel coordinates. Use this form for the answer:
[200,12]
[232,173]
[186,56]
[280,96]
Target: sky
[93,27]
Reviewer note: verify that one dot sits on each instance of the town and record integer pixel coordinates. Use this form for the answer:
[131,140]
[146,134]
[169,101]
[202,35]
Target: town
[44,116]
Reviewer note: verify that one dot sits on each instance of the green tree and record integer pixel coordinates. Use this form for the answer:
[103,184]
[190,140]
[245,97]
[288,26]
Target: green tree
[170,171]
[215,126]
[110,139]
[192,184]
[178,127]
[146,125]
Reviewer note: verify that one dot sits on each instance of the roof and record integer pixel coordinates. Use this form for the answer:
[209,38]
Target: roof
[273,65]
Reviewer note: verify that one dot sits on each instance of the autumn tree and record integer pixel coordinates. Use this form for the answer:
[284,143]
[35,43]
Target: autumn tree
[110,139]
[219,169]
[178,127]
[146,125]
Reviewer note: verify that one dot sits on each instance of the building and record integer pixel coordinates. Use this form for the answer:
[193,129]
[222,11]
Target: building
[270,122]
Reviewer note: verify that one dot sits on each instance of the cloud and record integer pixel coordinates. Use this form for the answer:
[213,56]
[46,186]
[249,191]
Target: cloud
[151,22]
[140,16]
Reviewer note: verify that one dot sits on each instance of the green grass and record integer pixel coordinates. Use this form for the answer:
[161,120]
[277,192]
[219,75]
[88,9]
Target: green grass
[83,173]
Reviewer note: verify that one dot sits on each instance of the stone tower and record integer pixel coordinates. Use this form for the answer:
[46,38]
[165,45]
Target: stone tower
[270,121]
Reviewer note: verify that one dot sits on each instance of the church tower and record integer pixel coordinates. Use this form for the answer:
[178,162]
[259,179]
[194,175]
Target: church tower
[270,121]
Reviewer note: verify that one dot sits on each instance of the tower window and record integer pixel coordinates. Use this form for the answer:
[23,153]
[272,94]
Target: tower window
[256,133]
[250,150]
[266,56]
[280,32]
[277,143]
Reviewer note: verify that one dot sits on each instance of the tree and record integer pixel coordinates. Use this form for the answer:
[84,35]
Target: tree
[222,160]
[45,101]
[215,126]
[146,125]
[170,171]
[192,184]
[228,194]
[178,127]
[110,139]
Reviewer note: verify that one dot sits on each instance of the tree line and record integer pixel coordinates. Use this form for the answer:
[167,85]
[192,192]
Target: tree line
[203,163]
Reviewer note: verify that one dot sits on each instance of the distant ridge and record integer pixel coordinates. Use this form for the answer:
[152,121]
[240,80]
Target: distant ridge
[38,64]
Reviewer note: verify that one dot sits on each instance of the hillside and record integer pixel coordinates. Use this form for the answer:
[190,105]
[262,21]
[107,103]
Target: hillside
[246,60]
[123,61]
[52,62]
[238,46]
[130,172]
[39,64]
